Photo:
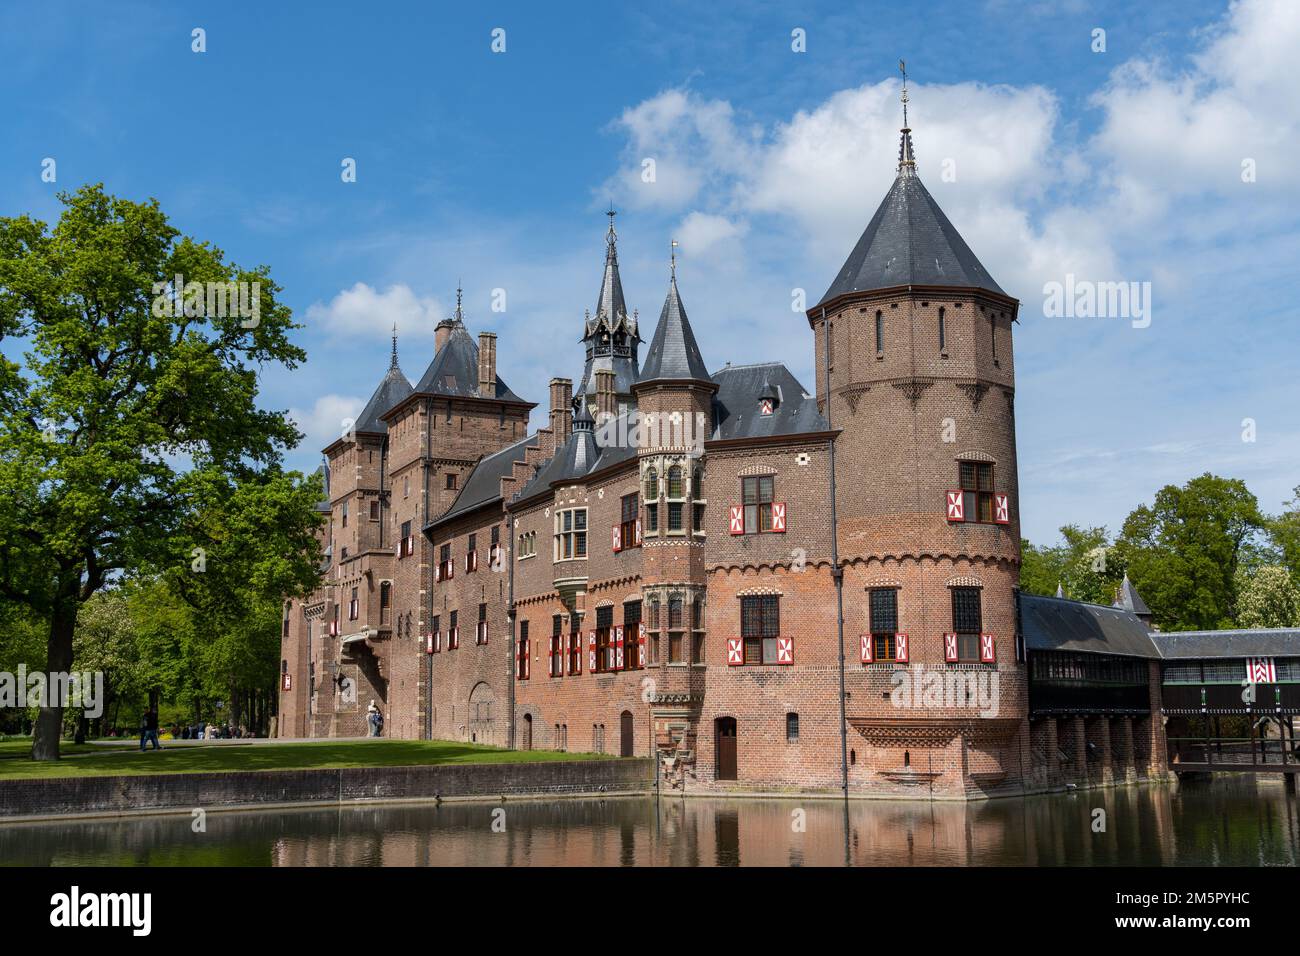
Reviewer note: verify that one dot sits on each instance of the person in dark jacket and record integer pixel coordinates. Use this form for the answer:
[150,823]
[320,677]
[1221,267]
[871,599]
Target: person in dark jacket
[149,730]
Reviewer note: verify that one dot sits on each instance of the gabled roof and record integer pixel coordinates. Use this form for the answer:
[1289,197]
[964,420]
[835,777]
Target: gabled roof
[909,241]
[673,353]
[483,485]
[1057,624]
[736,412]
[454,371]
[1255,642]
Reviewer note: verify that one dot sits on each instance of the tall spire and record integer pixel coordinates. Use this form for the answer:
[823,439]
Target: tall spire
[906,158]
[673,353]
[610,334]
[393,363]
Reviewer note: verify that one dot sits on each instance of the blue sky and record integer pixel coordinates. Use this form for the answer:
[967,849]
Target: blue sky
[495,169]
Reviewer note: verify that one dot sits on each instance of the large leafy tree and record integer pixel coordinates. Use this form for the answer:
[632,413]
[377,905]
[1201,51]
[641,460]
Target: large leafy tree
[1285,531]
[1083,565]
[1267,597]
[1184,550]
[119,410]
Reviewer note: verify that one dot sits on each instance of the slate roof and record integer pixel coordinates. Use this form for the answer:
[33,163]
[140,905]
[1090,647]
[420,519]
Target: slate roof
[484,483]
[1057,624]
[1129,599]
[909,241]
[454,370]
[1257,642]
[736,404]
[673,352]
[391,390]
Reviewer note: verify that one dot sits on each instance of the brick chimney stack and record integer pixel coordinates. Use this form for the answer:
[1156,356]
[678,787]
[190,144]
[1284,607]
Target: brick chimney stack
[606,400]
[441,334]
[561,420]
[487,364]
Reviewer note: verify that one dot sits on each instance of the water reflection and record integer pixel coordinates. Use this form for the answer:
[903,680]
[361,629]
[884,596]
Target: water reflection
[1229,821]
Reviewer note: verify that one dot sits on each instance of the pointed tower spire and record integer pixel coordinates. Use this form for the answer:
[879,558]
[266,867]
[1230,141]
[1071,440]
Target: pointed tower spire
[1060,592]
[609,335]
[393,363]
[906,159]
[673,353]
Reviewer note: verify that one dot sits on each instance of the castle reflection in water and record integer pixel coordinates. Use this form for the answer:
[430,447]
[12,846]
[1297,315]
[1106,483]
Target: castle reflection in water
[1227,822]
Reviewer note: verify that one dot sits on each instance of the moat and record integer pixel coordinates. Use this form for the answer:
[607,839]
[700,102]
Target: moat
[1230,821]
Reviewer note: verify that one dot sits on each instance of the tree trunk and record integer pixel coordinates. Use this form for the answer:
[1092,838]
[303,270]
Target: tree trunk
[58,659]
[79,735]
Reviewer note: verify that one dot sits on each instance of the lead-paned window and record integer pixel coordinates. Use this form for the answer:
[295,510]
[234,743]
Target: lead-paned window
[757,496]
[977,489]
[760,625]
[967,622]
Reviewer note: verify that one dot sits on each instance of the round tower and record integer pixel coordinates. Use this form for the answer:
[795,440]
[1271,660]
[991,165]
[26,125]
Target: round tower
[914,357]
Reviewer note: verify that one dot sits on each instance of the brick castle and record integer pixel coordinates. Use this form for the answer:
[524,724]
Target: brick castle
[653,572]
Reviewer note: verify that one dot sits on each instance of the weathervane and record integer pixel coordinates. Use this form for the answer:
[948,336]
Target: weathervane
[902,68]
[672,258]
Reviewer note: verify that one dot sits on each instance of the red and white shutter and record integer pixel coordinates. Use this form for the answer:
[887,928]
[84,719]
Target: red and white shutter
[550,657]
[737,519]
[451,568]
[640,647]
[437,572]
[484,625]
[866,648]
[1001,510]
[986,649]
[778,516]
[950,647]
[334,628]
[455,636]
[591,651]
[617,536]
[638,533]
[618,648]
[428,642]
[735,651]
[287,683]
[900,648]
[1261,670]
[785,650]
[528,658]
[956,506]
[765,406]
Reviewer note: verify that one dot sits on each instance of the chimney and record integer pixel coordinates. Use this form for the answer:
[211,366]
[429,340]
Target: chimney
[606,404]
[487,365]
[561,400]
[441,334]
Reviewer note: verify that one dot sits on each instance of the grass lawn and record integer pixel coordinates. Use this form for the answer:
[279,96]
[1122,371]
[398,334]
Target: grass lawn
[89,760]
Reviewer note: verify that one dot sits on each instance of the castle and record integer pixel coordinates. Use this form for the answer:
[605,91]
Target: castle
[674,564]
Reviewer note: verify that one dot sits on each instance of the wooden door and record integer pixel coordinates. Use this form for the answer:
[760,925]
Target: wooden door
[528,731]
[725,733]
[625,734]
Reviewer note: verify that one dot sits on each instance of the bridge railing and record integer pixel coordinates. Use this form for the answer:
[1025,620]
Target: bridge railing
[1233,751]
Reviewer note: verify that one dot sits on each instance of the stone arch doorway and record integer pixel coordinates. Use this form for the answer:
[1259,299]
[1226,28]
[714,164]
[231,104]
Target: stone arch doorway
[482,714]
[626,736]
[528,732]
[725,737]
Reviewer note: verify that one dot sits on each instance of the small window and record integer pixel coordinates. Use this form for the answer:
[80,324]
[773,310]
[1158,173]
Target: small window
[451,481]
[884,623]
[967,622]
[943,332]
[628,507]
[757,495]
[976,479]
[880,332]
[651,485]
[760,625]
[374,510]
[570,534]
[345,514]
[791,727]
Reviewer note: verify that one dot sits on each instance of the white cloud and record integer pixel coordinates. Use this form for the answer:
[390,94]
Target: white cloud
[703,234]
[326,420]
[364,311]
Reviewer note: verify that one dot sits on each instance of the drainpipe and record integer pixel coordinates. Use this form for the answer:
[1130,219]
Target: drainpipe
[836,571]
[509,555]
[428,610]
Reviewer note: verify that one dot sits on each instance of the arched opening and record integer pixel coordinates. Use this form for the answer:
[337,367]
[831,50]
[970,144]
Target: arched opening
[528,732]
[626,735]
[724,733]
[482,717]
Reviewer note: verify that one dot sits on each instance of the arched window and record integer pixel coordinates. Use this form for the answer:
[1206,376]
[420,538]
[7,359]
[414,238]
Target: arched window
[651,485]
[675,482]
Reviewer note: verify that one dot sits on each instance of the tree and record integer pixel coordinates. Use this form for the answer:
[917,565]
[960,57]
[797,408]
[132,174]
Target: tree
[117,392]
[1285,531]
[1083,565]
[1183,552]
[1267,597]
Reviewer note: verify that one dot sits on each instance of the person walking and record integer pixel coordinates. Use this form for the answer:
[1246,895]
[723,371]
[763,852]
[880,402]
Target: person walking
[375,718]
[149,730]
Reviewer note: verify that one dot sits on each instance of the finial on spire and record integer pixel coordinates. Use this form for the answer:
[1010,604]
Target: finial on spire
[672,259]
[460,315]
[394,362]
[906,159]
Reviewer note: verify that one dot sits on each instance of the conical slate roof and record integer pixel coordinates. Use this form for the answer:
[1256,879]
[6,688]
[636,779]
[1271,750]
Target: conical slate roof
[611,307]
[673,353]
[1128,598]
[909,241]
[391,390]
